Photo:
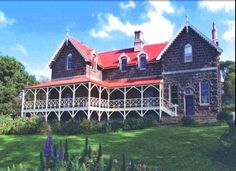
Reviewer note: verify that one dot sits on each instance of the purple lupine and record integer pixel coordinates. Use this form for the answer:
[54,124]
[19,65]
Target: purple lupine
[55,151]
[48,146]
[61,155]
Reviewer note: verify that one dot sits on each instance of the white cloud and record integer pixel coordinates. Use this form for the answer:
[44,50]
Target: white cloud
[229,34]
[41,74]
[20,48]
[4,20]
[215,6]
[128,5]
[153,33]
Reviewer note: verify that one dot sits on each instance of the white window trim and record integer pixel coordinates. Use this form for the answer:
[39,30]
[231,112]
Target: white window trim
[139,56]
[188,45]
[67,61]
[200,95]
[120,61]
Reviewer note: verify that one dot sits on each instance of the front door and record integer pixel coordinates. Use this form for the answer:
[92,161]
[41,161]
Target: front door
[189,105]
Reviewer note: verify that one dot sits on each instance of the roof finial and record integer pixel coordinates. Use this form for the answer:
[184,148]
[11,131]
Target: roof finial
[67,32]
[186,22]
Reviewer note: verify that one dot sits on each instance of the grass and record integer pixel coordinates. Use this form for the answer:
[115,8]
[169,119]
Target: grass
[172,148]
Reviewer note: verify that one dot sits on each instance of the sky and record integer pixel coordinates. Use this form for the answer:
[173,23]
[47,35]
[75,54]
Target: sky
[32,31]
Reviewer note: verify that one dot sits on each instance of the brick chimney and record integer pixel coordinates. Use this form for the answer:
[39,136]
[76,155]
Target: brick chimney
[138,41]
[214,34]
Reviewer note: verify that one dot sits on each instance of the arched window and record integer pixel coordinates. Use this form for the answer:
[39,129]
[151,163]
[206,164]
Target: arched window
[69,61]
[188,53]
[142,61]
[123,63]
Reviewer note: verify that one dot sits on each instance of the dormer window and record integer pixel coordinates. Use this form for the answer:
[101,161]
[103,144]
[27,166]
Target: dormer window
[142,63]
[123,63]
[188,53]
[69,61]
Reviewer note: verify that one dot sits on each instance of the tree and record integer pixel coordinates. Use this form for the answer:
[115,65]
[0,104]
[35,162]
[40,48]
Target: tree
[229,81]
[13,78]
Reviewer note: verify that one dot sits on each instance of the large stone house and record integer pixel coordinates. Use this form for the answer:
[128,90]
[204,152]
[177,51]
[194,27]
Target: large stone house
[175,78]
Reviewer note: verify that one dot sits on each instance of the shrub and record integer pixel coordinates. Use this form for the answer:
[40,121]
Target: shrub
[224,116]
[21,125]
[187,121]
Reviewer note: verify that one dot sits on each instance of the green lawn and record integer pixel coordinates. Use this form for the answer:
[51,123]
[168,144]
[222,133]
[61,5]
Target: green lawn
[170,147]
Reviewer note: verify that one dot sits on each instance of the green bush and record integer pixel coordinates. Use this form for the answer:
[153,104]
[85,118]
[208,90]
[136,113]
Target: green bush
[229,107]
[187,121]
[224,116]
[21,125]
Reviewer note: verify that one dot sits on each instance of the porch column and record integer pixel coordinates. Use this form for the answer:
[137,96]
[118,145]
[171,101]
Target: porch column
[108,98]
[23,103]
[141,96]
[89,96]
[47,93]
[35,93]
[59,97]
[125,97]
[142,100]
[160,100]
[73,100]
[99,97]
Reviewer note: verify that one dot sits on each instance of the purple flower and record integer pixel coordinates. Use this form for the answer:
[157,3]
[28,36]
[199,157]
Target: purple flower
[115,161]
[55,151]
[48,147]
[61,155]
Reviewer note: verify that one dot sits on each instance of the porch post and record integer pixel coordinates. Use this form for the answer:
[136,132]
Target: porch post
[89,100]
[142,100]
[125,97]
[60,97]
[108,98]
[35,93]
[73,100]
[47,93]
[23,103]
[160,100]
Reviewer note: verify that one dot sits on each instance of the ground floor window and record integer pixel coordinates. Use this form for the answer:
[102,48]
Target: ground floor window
[204,93]
[173,94]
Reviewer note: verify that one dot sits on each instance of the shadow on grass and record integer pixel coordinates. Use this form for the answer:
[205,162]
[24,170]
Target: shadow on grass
[169,147]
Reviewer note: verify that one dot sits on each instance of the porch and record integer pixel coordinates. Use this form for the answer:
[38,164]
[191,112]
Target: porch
[89,98]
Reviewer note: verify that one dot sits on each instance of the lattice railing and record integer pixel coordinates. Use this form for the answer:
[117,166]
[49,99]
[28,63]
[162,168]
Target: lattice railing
[94,102]
[81,101]
[53,103]
[151,101]
[40,104]
[66,102]
[29,105]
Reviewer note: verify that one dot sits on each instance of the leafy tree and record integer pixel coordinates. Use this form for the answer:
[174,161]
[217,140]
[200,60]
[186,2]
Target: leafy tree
[229,82]
[13,78]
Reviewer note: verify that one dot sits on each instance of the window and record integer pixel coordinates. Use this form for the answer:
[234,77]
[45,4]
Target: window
[187,53]
[142,61]
[204,93]
[173,94]
[123,64]
[69,62]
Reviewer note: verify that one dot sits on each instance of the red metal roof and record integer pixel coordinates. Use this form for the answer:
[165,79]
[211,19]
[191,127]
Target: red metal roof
[61,82]
[110,59]
[108,84]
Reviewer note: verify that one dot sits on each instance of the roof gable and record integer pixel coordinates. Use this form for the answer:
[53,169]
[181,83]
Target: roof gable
[82,49]
[186,25]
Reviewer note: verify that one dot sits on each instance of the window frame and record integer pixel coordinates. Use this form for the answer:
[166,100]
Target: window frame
[69,57]
[121,63]
[142,55]
[200,93]
[188,55]
[170,94]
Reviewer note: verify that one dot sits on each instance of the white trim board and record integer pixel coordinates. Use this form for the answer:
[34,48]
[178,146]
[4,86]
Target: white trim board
[189,70]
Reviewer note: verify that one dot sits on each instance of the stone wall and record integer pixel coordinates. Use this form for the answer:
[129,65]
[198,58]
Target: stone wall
[152,70]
